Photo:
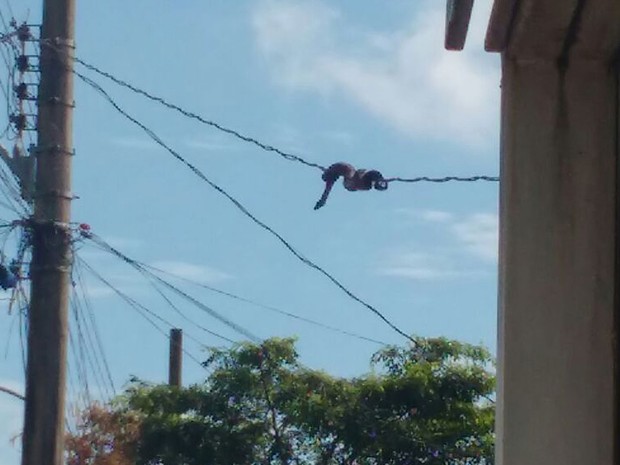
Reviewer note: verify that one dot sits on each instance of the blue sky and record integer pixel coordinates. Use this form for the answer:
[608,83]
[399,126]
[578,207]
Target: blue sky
[364,82]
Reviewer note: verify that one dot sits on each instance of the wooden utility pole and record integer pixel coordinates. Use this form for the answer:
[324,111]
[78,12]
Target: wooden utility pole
[43,440]
[176,357]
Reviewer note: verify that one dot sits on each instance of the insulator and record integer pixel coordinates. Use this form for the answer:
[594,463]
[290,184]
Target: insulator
[23,33]
[22,63]
[21,91]
[19,121]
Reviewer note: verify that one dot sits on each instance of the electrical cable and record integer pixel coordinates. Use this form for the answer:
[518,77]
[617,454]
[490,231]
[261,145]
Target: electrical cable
[242,208]
[142,310]
[265,307]
[266,147]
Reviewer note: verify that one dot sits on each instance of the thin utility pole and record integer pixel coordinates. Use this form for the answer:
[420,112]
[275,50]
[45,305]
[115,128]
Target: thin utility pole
[43,440]
[176,357]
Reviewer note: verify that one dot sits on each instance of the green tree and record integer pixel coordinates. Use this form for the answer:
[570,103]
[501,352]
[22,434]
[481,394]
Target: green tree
[423,404]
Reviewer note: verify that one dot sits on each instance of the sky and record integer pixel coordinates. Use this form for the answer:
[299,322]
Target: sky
[359,81]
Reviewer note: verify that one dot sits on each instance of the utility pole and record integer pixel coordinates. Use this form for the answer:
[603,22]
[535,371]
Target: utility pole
[43,440]
[176,357]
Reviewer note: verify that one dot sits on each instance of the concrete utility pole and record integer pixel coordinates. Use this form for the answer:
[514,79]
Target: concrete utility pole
[43,440]
[176,357]
[559,281]
[558,393]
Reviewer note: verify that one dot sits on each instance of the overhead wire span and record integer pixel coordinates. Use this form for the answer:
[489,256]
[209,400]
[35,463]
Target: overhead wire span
[242,208]
[194,116]
[85,309]
[184,316]
[265,307]
[205,308]
[13,393]
[92,352]
[264,146]
[141,309]
[80,374]
[23,331]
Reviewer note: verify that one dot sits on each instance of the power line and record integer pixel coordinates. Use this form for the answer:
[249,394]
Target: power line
[77,351]
[144,268]
[267,147]
[242,208]
[88,338]
[11,392]
[446,179]
[185,317]
[267,307]
[212,312]
[142,310]
[192,115]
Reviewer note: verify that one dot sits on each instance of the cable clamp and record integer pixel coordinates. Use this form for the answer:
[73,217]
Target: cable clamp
[52,150]
[55,224]
[64,42]
[67,195]
[59,268]
[55,101]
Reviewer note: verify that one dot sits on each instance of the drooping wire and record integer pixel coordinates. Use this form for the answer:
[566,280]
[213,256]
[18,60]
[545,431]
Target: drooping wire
[9,335]
[146,313]
[194,116]
[265,307]
[10,7]
[154,284]
[243,209]
[10,190]
[75,400]
[80,294]
[23,329]
[87,330]
[144,268]
[10,51]
[79,361]
[171,287]
[266,147]
[13,393]
[183,315]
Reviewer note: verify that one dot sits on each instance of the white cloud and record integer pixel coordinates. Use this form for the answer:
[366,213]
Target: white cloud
[476,233]
[199,273]
[472,236]
[212,143]
[120,242]
[429,216]
[100,291]
[341,137]
[404,78]
[125,282]
[141,144]
[136,143]
[421,266]
[479,234]
[294,35]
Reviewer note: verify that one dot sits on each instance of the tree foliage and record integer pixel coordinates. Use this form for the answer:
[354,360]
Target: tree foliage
[423,404]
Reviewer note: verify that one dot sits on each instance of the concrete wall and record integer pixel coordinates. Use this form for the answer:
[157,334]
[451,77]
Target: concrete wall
[558,277]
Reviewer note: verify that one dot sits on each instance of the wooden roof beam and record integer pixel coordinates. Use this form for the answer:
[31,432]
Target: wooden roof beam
[458,14]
